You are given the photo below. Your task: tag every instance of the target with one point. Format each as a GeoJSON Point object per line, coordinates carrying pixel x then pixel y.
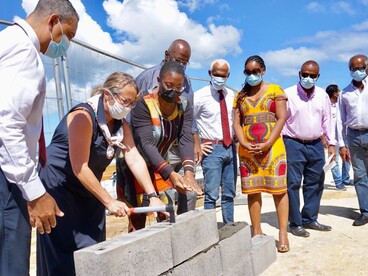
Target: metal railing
{"type": "Point", "coordinates": [71, 79]}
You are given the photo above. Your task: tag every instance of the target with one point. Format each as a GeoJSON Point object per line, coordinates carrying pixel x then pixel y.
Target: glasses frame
{"type": "Point", "coordinates": [358, 68]}
{"type": "Point", "coordinates": [174, 88]}
{"type": "Point", "coordinates": [178, 60]}
{"type": "Point", "coordinates": [126, 102]}
{"type": "Point", "coordinates": [306, 75]}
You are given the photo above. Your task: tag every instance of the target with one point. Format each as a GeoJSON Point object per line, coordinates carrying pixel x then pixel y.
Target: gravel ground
{"type": "Point", "coordinates": [339, 252]}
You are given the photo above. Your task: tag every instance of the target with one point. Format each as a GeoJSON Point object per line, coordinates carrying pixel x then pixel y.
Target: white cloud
{"type": "Point", "coordinates": [161, 22]}
{"type": "Point", "coordinates": [337, 7]}
{"type": "Point", "coordinates": [144, 30]}
{"type": "Point", "coordinates": [342, 7]}
{"type": "Point", "coordinates": [325, 46]}
{"type": "Point", "coordinates": [315, 7]}
{"type": "Point", "coordinates": [193, 5]}
{"type": "Point", "coordinates": [288, 61]}
{"type": "Point", "coordinates": [363, 26]}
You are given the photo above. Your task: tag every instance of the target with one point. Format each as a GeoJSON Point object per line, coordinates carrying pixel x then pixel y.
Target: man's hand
{"type": "Point", "coordinates": [198, 155]}
{"type": "Point", "coordinates": [345, 154]}
{"type": "Point", "coordinates": [332, 151]}
{"type": "Point", "coordinates": [206, 148]}
{"type": "Point", "coordinates": [190, 180]}
{"type": "Point", "coordinates": [42, 213]}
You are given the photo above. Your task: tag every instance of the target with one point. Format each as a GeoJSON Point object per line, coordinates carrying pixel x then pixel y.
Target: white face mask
{"type": "Point", "coordinates": [218, 82]}
{"type": "Point", "coordinates": [117, 110]}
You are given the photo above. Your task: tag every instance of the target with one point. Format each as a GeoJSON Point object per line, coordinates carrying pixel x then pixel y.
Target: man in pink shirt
{"type": "Point", "coordinates": [308, 118]}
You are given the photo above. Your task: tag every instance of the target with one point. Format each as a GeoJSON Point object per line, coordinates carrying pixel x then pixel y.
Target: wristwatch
{"type": "Point", "coordinates": [154, 194]}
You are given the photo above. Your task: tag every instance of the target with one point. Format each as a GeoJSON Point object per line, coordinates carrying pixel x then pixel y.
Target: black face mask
{"type": "Point", "coordinates": [169, 95]}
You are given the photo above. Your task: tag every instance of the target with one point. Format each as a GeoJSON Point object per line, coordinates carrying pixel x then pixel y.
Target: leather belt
{"type": "Point", "coordinates": [359, 129]}
{"type": "Point", "coordinates": [219, 142]}
{"type": "Point", "coordinates": [303, 141]}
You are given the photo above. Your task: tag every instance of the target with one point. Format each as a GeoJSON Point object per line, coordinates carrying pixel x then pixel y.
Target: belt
{"type": "Point", "coordinates": [359, 129]}
{"type": "Point", "coordinates": [303, 141]}
{"type": "Point", "coordinates": [218, 142]}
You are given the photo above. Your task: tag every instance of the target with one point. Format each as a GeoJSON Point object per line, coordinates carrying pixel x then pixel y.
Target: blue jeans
{"type": "Point", "coordinates": [220, 170]}
{"type": "Point", "coordinates": [304, 161]}
{"type": "Point", "coordinates": [358, 147]}
{"type": "Point", "coordinates": [342, 177]}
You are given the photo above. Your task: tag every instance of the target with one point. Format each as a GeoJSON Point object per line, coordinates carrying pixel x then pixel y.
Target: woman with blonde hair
{"type": "Point", "coordinates": [83, 145]}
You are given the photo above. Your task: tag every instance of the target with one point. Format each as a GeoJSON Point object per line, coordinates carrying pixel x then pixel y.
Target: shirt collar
{"type": "Point", "coordinates": [29, 31]}
{"type": "Point", "coordinates": [215, 92]}
{"type": "Point", "coordinates": [302, 93]}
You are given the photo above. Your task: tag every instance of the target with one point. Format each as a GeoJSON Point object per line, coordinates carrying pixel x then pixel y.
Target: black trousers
{"type": "Point", "coordinates": [15, 230]}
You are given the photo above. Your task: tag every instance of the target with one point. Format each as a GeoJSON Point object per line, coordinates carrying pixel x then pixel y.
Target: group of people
{"type": "Point", "coordinates": [159, 130]}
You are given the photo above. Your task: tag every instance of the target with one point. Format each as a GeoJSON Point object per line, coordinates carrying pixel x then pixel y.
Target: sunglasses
{"type": "Point", "coordinates": [253, 72]}
{"type": "Point", "coordinates": [306, 75]}
{"type": "Point", "coordinates": [358, 68]}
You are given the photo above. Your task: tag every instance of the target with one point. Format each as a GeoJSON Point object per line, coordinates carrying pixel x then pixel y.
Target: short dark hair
{"type": "Point", "coordinates": [171, 67]}
{"type": "Point", "coordinates": [331, 89]}
{"type": "Point", "coordinates": [63, 8]}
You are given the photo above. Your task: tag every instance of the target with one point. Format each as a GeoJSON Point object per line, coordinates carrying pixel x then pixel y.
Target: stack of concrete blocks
{"type": "Point", "coordinates": [195, 245]}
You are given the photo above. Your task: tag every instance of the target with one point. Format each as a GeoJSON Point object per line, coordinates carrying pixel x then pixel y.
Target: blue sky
{"type": "Point", "coordinates": [285, 33]}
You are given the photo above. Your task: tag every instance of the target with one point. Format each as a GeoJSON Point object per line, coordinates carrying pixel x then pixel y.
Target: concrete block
{"type": "Point", "coordinates": [146, 252]}
{"type": "Point", "coordinates": [243, 268]}
{"type": "Point", "coordinates": [204, 263]}
{"type": "Point", "coordinates": [263, 253]}
{"type": "Point", "coordinates": [235, 243]}
{"type": "Point", "coordinates": [192, 233]}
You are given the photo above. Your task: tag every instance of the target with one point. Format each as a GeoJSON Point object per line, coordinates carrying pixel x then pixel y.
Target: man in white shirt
{"type": "Point", "coordinates": [219, 161]}
{"type": "Point", "coordinates": [48, 29]}
{"type": "Point", "coordinates": [352, 128]}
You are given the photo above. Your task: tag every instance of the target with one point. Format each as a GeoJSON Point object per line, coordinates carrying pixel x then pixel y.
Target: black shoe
{"type": "Point", "coordinates": [317, 226]}
{"type": "Point", "coordinates": [299, 231]}
{"type": "Point", "coordinates": [361, 221]}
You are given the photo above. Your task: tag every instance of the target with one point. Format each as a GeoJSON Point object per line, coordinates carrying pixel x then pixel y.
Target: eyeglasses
{"type": "Point", "coordinates": [170, 87]}
{"type": "Point", "coordinates": [180, 61]}
{"type": "Point", "coordinates": [306, 75]}
{"type": "Point", "coordinates": [253, 72]}
{"type": "Point", "coordinates": [126, 102]}
{"type": "Point", "coordinates": [358, 68]}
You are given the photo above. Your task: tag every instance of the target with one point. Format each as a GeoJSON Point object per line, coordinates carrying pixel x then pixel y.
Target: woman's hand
{"type": "Point", "coordinates": [117, 208]}
{"type": "Point", "coordinates": [259, 148]}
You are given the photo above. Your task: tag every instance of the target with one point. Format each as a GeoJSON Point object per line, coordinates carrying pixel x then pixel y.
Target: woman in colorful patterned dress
{"type": "Point", "coordinates": [260, 114]}
{"type": "Point", "coordinates": [160, 119]}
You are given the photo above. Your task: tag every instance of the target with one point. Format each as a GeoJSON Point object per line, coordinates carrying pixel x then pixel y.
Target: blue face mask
{"type": "Point", "coordinates": [253, 79]}
{"type": "Point", "coordinates": [358, 75]}
{"type": "Point", "coordinates": [218, 82]}
{"type": "Point", "coordinates": [307, 82]}
{"type": "Point", "coordinates": [55, 50]}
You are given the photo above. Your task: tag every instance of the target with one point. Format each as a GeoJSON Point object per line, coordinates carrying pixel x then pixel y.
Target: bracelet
{"type": "Point", "coordinates": [154, 194]}
{"type": "Point", "coordinates": [269, 143]}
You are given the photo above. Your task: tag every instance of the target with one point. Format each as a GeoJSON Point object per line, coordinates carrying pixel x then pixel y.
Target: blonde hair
{"type": "Point", "coordinates": [115, 82]}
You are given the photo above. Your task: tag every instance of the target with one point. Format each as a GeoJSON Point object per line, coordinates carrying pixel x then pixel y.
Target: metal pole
{"type": "Point", "coordinates": [59, 93]}
{"type": "Point", "coordinates": [68, 93]}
